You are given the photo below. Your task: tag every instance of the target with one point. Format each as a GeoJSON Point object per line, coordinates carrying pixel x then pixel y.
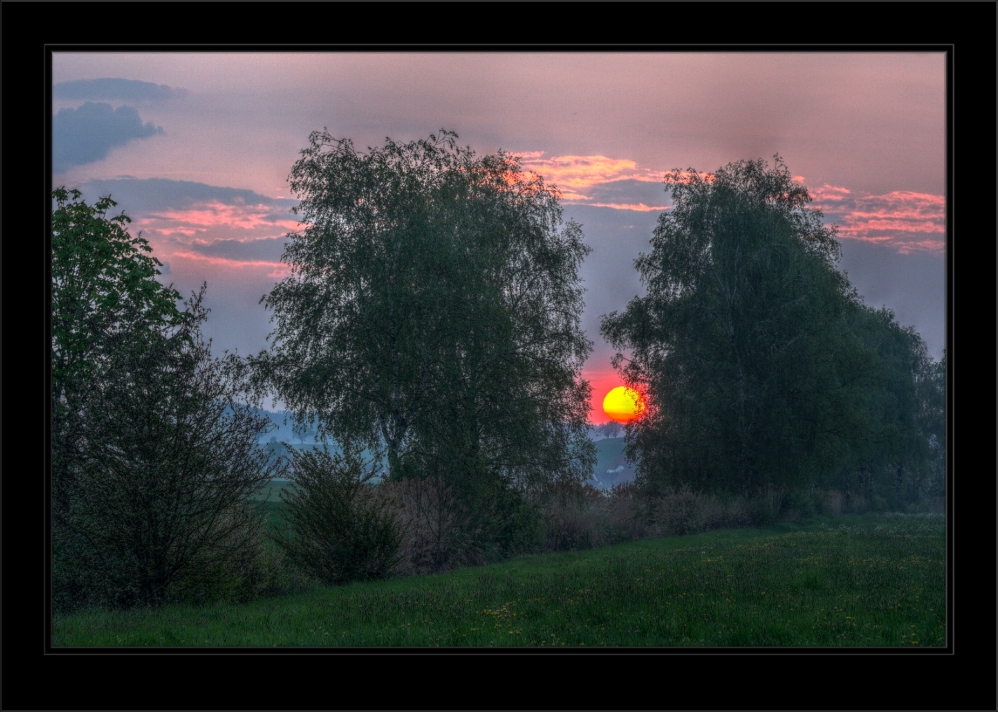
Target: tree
{"type": "Point", "coordinates": [931, 418]}
{"type": "Point", "coordinates": [102, 285]}
{"type": "Point", "coordinates": [895, 450]}
{"type": "Point", "coordinates": [332, 530]}
{"type": "Point", "coordinates": [754, 378]}
{"type": "Point", "coordinates": [433, 311]}
{"type": "Point", "coordinates": [611, 429]}
{"type": "Point", "coordinates": [105, 297]}
{"type": "Point", "coordinates": [159, 507]}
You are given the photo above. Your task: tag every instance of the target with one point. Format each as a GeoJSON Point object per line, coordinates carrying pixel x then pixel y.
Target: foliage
{"type": "Point", "coordinates": [433, 313]}
{"type": "Point", "coordinates": [575, 517]}
{"type": "Point", "coordinates": [158, 508]}
{"type": "Point", "coordinates": [611, 429]}
{"type": "Point", "coordinates": [893, 463]}
{"type": "Point", "coordinates": [860, 581]}
{"type": "Point", "coordinates": [930, 384]}
{"type": "Point", "coordinates": [334, 529]}
{"type": "Point", "coordinates": [742, 344]}
{"type": "Point", "coordinates": [104, 297]}
{"type": "Point", "coordinates": [102, 284]}
{"type": "Point", "coordinates": [435, 523]}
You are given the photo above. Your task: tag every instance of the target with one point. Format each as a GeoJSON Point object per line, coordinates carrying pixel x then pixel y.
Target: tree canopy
{"type": "Point", "coordinates": [102, 282]}
{"type": "Point", "coordinates": [103, 286]}
{"type": "Point", "coordinates": [742, 343]}
{"type": "Point", "coordinates": [433, 311]}
{"type": "Point", "coordinates": [159, 507]}
{"type": "Point", "coordinates": [153, 457]}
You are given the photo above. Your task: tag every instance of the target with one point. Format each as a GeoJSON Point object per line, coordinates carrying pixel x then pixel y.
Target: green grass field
{"type": "Point", "coordinates": [870, 580]}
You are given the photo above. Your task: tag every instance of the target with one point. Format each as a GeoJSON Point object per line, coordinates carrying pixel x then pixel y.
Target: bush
{"type": "Point", "coordinates": [797, 505]}
{"type": "Point", "coordinates": [335, 529]}
{"type": "Point", "coordinates": [575, 517]}
{"type": "Point", "coordinates": [234, 573]}
{"type": "Point", "coordinates": [628, 513]}
{"type": "Point", "coordinates": [510, 524]}
{"type": "Point", "coordinates": [154, 505]}
{"type": "Point", "coordinates": [683, 511]}
{"type": "Point", "coordinates": [760, 511]}
{"type": "Point", "coordinates": [435, 526]}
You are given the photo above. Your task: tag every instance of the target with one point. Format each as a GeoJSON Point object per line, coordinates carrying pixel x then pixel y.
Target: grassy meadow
{"type": "Point", "coordinates": [855, 580]}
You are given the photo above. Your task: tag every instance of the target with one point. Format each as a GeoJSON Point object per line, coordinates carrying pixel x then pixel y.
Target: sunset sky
{"type": "Point", "coordinates": [197, 148]}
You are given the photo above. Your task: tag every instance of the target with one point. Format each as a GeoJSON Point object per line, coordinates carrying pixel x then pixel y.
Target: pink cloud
{"type": "Point", "coordinates": [830, 192]}
{"type": "Point", "coordinates": [858, 227]}
{"type": "Point", "coordinates": [576, 173]}
{"type": "Point", "coordinates": [640, 207]}
{"type": "Point", "coordinates": [938, 246]}
{"type": "Point", "coordinates": [278, 270]}
{"type": "Point", "coordinates": [205, 216]}
{"type": "Point", "coordinates": [904, 220]}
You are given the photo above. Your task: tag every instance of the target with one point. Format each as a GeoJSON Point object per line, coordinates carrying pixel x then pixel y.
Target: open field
{"type": "Point", "coordinates": [861, 580]}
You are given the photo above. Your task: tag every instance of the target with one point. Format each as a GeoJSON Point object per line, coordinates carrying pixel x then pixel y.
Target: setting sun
{"type": "Point", "coordinates": [623, 404]}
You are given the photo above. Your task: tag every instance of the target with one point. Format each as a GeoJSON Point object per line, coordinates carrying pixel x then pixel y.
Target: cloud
{"type": "Point", "coordinates": [629, 194]}
{"type": "Point", "coordinates": [904, 220]}
{"type": "Point", "coordinates": [640, 207]}
{"type": "Point", "coordinates": [574, 174]}
{"type": "Point", "coordinates": [88, 134]}
{"type": "Point", "coordinates": [112, 88]}
{"type": "Point", "coordinates": [201, 226]}
{"type": "Point", "coordinates": [145, 195]}
{"type": "Point", "coordinates": [591, 180]}
{"type": "Point", "coordinates": [211, 216]}
{"type": "Point", "coordinates": [599, 181]}
{"type": "Point", "coordinates": [267, 249]}
{"type": "Point", "coordinates": [827, 192]}
{"type": "Point", "coordinates": [276, 270]}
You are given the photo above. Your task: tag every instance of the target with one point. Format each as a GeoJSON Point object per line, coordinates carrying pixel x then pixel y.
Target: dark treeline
{"type": "Point", "coordinates": [766, 374]}
{"type": "Point", "coordinates": [429, 338]}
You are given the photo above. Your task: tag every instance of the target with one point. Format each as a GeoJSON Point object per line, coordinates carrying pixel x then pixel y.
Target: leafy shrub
{"type": "Point", "coordinates": [509, 524]}
{"type": "Point", "coordinates": [760, 511]}
{"type": "Point", "coordinates": [334, 529]}
{"type": "Point", "coordinates": [575, 517]}
{"type": "Point", "coordinates": [628, 513]}
{"type": "Point", "coordinates": [234, 569]}
{"type": "Point", "coordinates": [683, 511]}
{"type": "Point", "coordinates": [797, 505]}
{"type": "Point", "coordinates": [153, 504]}
{"type": "Point", "coordinates": [434, 524]}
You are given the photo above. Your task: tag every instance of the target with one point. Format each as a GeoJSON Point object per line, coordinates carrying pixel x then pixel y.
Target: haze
{"type": "Point", "coordinates": [197, 147]}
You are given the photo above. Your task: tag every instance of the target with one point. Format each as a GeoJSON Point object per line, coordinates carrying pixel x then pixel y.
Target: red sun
{"type": "Point", "coordinates": [623, 404]}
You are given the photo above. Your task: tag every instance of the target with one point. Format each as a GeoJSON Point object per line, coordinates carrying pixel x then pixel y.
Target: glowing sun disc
{"type": "Point", "coordinates": [623, 404]}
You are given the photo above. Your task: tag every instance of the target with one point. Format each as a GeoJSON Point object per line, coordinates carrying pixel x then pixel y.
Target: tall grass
{"type": "Point", "coordinates": [870, 580]}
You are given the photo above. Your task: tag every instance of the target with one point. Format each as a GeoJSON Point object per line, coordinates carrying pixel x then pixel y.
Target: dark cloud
{"type": "Point", "coordinates": [88, 134]}
{"type": "Point", "coordinates": [140, 196]}
{"type": "Point", "coordinates": [912, 285]}
{"type": "Point", "coordinates": [109, 88]}
{"type": "Point", "coordinates": [629, 192]}
{"type": "Point", "coordinates": [267, 249]}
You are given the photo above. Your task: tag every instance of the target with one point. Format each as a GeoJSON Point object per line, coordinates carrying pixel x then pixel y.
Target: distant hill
{"type": "Point", "coordinates": [611, 468]}
{"type": "Point", "coordinates": [610, 457]}
{"type": "Point", "coordinates": [282, 427]}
